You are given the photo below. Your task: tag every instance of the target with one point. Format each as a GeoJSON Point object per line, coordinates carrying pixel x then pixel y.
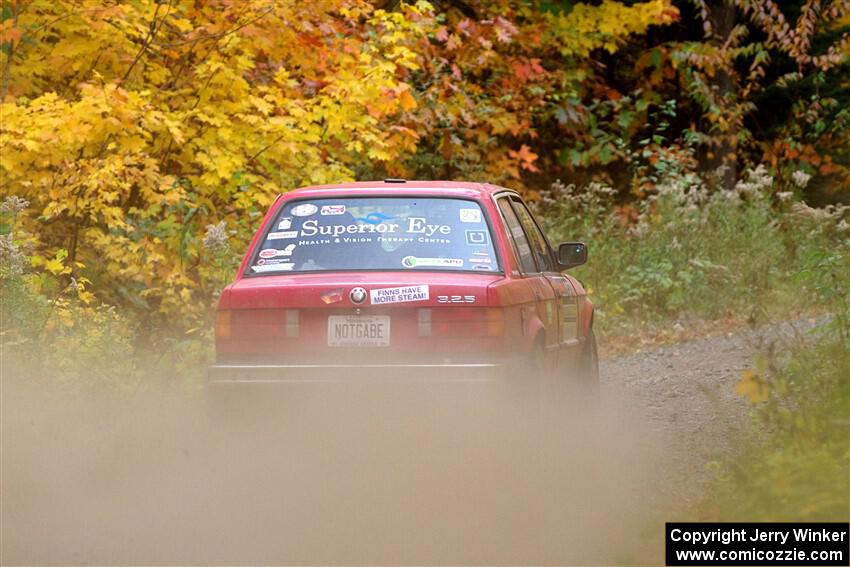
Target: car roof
{"type": "Point", "coordinates": [400, 187]}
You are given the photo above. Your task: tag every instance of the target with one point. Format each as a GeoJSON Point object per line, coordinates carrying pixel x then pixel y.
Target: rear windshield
{"type": "Point", "coordinates": [363, 233]}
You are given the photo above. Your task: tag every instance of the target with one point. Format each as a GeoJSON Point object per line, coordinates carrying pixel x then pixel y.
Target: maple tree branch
{"type": "Point", "coordinates": [264, 148]}
{"type": "Point", "coordinates": [223, 34]}
{"type": "Point", "coordinates": [152, 31]}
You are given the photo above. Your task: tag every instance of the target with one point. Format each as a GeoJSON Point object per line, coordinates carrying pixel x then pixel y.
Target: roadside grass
{"type": "Point", "coordinates": [798, 467]}
{"type": "Point", "coordinates": [796, 464]}
{"type": "Point", "coordinates": [693, 253]}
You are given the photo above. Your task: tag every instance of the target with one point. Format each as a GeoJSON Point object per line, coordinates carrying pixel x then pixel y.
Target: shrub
{"type": "Point", "coordinates": [691, 248]}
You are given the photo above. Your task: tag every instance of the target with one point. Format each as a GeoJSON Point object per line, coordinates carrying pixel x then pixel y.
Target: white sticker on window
{"type": "Point", "coordinates": [304, 210]}
{"type": "Point", "coordinates": [273, 252]}
{"type": "Point", "coordinates": [399, 294]}
{"type": "Point", "coordinates": [470, 215]}
{"type": "Point", "coordinates": [284, 224]}
{"type": "Point", "coordinates": [480, 260]}
{"type": "Point", "coordinates": [333, 210]}
{"type": "Point", "coordinates": [274, 267]}
{"type": "Point", "coordinates": [281, 235]}
{"type": "Point", "coordinates": [414, 262]}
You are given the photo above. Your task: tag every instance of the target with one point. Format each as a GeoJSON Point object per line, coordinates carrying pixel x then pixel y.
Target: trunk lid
{"type": "Point", "coordinates": [427, 317]}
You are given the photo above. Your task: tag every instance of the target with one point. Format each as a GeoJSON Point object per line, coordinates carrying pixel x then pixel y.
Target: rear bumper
{"type": "Point", "coordinates": [234, 374]}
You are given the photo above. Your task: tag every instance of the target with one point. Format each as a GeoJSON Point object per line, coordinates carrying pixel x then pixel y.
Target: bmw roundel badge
{"type": "Point", "coordinates": [357, 295]}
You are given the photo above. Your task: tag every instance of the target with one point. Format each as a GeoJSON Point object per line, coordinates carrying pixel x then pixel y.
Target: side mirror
{"type": "Point", "coordinates": [572, 254]}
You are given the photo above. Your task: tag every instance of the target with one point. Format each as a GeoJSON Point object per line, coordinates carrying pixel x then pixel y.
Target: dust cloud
{"type": "Point", "coordinates": [348, 473]}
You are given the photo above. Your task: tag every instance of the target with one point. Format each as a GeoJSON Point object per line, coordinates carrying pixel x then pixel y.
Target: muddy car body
{"type": "Point", "coordinates": [398, 280]}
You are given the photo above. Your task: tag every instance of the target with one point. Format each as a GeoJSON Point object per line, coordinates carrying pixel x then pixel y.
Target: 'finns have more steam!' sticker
{"type": "Point", "coordinates": [399, 294]}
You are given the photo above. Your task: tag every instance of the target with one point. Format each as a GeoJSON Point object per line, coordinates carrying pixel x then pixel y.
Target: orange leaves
{"type": "Point", "coordinates": [526, 69]}
{"type": "Point", "coordinates": [406, 99]}
{"type": "Point", "coordinates": [525, 158]}
{"type": "Point", "coordinates": [9, 33]}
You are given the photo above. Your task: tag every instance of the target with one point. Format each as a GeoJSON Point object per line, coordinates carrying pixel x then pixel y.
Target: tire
{"type": "Point", "coordinates": [588, 376]}
{"type": "Point", "coordinates": [524, 384]}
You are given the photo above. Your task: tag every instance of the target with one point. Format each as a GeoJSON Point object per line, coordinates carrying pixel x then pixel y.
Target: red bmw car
{"type": "Point", "coordinates": [404, 280]}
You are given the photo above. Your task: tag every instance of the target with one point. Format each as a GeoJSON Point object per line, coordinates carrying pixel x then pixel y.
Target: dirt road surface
{"type": "Point", "coordinates": [362, 476]}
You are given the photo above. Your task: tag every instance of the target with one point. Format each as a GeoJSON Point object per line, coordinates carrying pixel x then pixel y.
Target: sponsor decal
{"type": "Point", "coordinates": [274, 267]}
{"type": "Point", "coordinates": [274, 261]}
{"type": "Point", "coordinates": [474, 237]}
{"type": "Point", "coordinates": [413, 262]}
{"type": "Point", "coordinates": [470, 215]}
{"type": "Point", "coordinates": [481, 267]}
{"type": "Point", "coordinates": [480, 260]}
{"type": "Point", "coordinates": [398, 294]}
{"type": "Point", "coordinates": [481, 253]}
{"type": "Point", "coordinates": [412, 225]}
{"type": "Point", "coordinates": [333, 210]}
{"type": "Point", "coordinates": [285, 223]}
{"type": "Point", "coordinates": [260, 262]}
{"type": "Point", "coordinates": [272, 252]}
{"type": "Point", "coordinates": [304, 210]}
{"type": "Point", "coordinates": [281, 235]}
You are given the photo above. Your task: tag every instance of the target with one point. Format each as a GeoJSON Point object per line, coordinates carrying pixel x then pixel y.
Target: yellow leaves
{"type": "Point", "coordinates": [587, 27]}
{"type": "Point", "coordinates": [228, 105]}
{"type": "Point", "coordinates": [753, 387]}
{"type": "Point", "coordinates": [55, 265]}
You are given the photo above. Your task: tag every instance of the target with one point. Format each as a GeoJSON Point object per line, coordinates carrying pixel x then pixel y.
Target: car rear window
{"type": "Point", "coordinates": [387, 233]}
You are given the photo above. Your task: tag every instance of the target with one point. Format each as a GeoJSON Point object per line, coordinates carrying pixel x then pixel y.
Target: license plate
{"type": "Point", "coordinates": [359, 330]}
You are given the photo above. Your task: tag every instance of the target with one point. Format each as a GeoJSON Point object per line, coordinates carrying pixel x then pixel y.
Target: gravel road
{"type": "Point", "coordinates": [433, 477]}
{"type": "Point", "coordinates": [685, 394]}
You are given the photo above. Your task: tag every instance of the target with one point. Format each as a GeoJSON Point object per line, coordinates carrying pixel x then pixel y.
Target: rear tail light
{"type": "Point", "coordinates": [222, 324]}
{"type": "Point", "coordinates": [259, 324]}
{"type": "Point", "coordinates": [466, 322]}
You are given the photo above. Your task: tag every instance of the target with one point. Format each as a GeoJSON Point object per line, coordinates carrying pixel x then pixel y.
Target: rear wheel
{"type": "Point", "coordinates": [525, 382]}
{"type": "Point", "coordinates": [588, 375]}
